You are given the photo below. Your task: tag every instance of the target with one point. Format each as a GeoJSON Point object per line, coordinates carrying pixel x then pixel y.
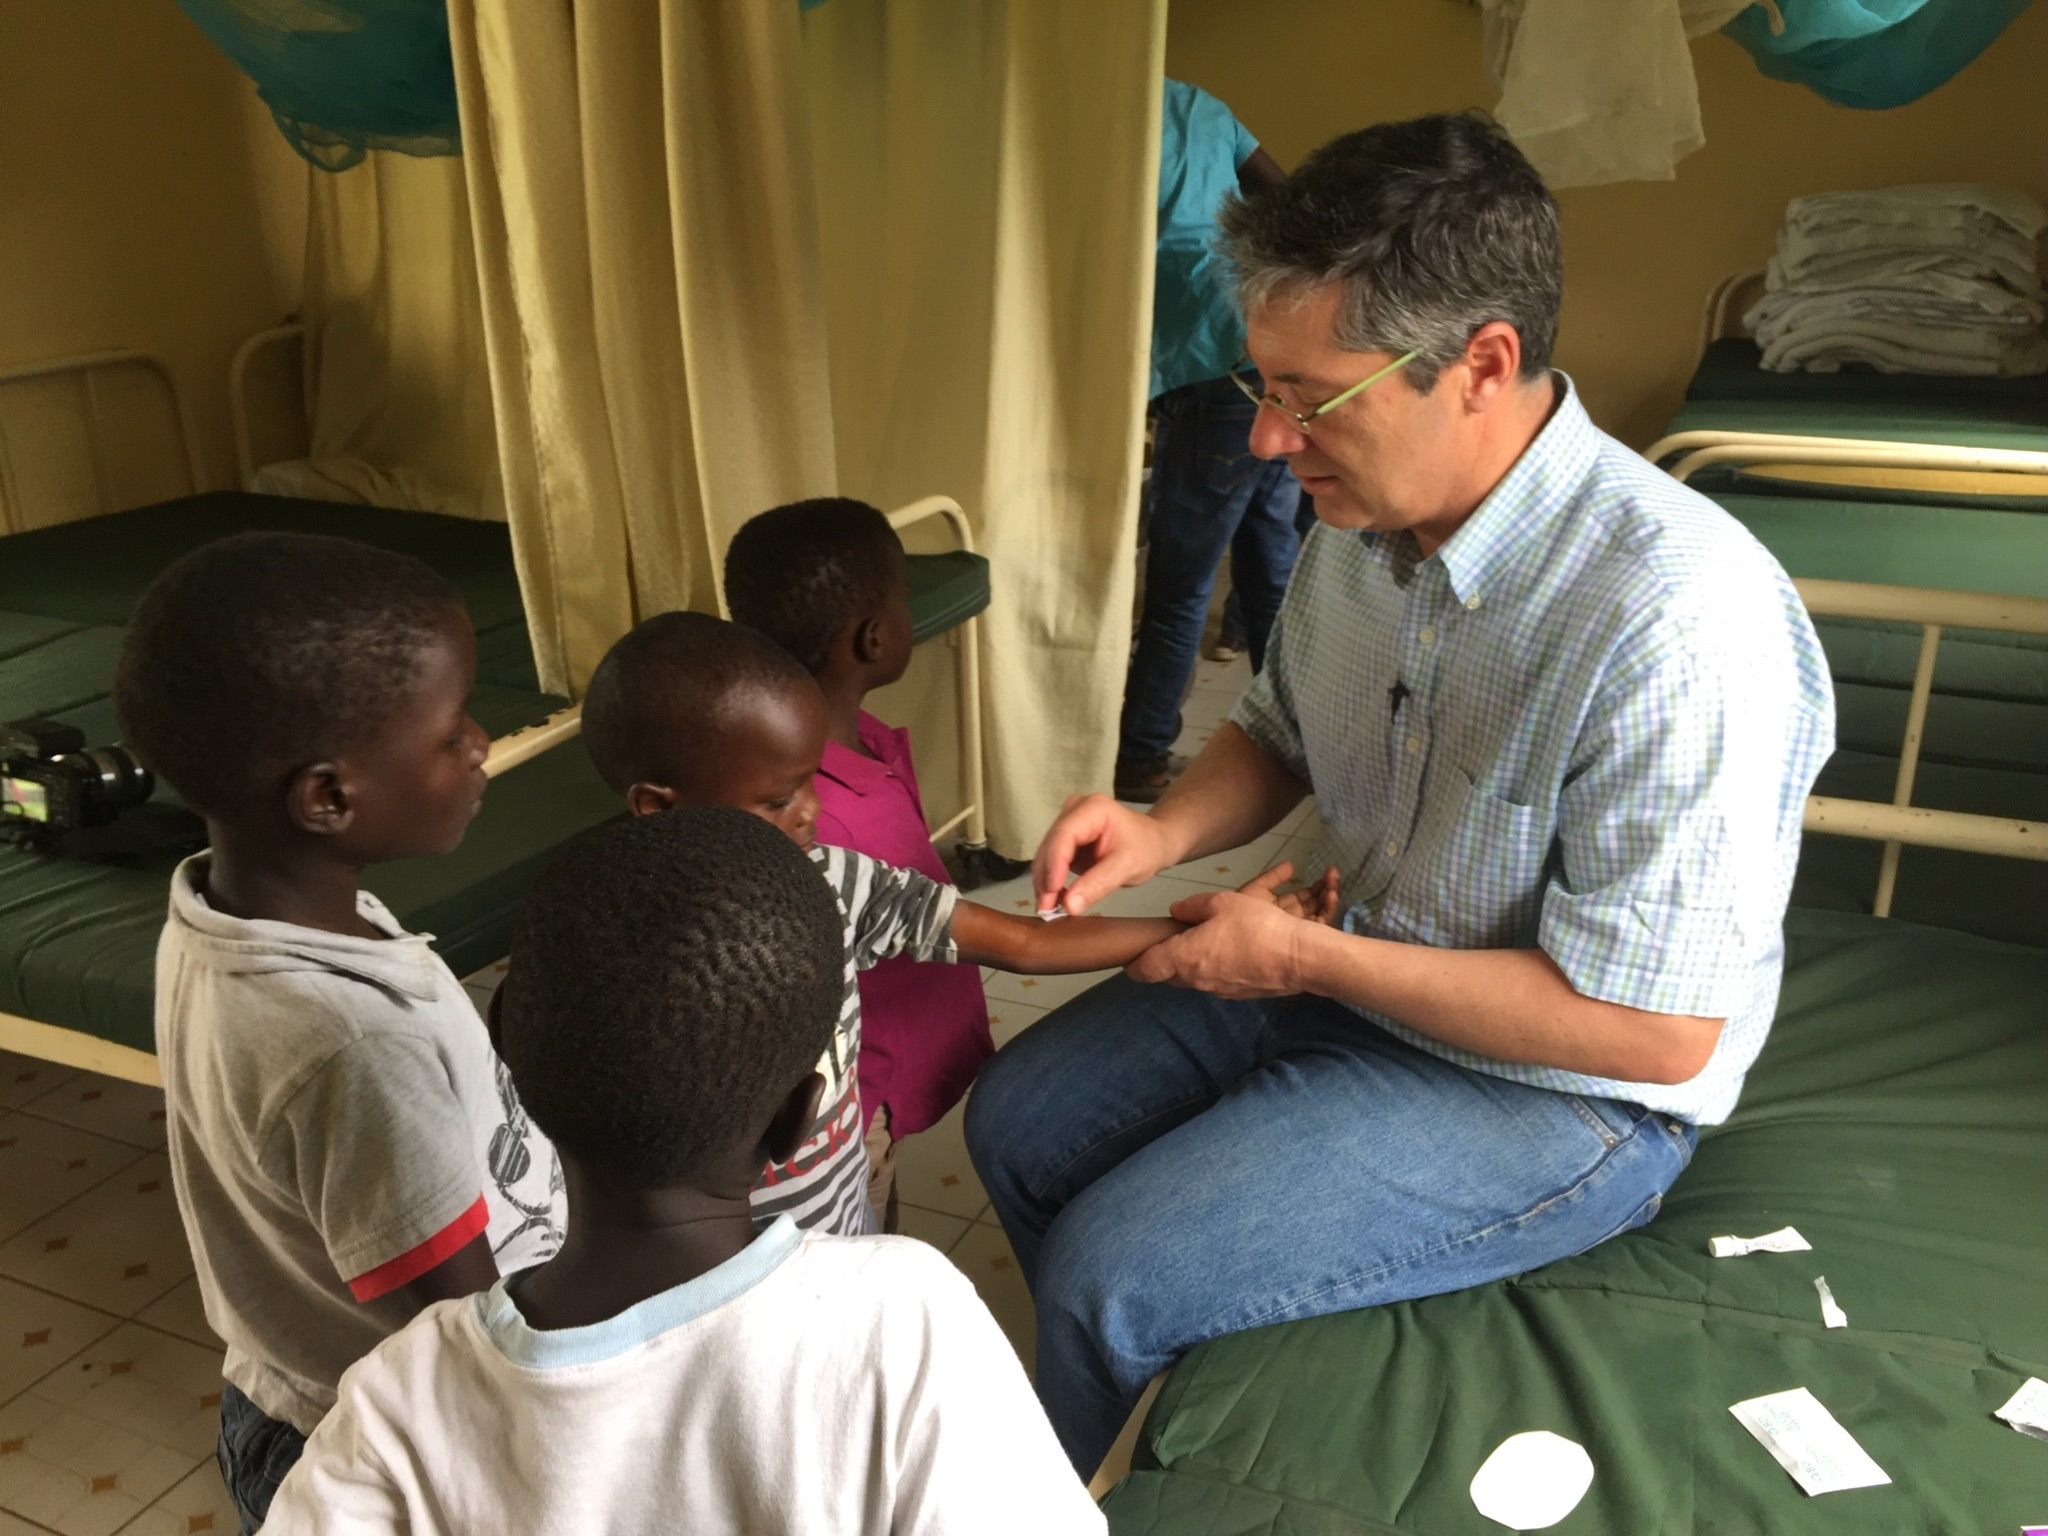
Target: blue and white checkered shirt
{"type": "Point", "coordinates": [1588, 723]}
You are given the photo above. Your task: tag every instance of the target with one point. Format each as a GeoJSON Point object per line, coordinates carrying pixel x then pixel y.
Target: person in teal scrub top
{"type": "Point", "coordinates": [1209, 493]}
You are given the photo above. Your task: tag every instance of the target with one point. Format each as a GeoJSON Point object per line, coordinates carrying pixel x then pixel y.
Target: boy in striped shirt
{"type": "Point", "coordinates": [688, 709]}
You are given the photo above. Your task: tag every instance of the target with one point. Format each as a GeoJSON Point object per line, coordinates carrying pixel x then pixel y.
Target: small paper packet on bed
{"type": "Point", "coordinates": [1807, 1441]}
{"type": "Point", "coordinates": [1784, 1240]}
{"type": "Point", "coordinates": [1831, 1312]}
{"type": "Point", "coordinates": [2027, 1409]}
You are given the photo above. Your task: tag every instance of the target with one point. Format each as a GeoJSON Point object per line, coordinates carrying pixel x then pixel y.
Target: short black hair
{"type": "Point", "coordinates": [801, 573]}
{"type": "Point", "coordinates": [1434, 227]}
{"type": "Point", "coordinates": [672, 979]}
{"type": "Point", "coordinates": [253, 656]}
{"type": "Point", "coordinates": [669, 687]}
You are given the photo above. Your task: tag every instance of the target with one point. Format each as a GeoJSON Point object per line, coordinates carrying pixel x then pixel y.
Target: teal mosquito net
{"type": "Point", "coordinates": [343, 77]}
{"type": "Point", "coordinates": [1871, 53]}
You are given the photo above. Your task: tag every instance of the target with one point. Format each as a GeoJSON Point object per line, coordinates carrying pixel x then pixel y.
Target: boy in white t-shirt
{"type": "Point", "coordinates": [344, 1144]}
{"type": "Point", "coordinates": [673, 982]}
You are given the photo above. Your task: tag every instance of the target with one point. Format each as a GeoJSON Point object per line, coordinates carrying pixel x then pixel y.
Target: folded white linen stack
{"type": "Point", "coordinates": [1943, 278]}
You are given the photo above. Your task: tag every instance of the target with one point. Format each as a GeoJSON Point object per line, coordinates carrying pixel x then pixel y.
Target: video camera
{"type": "Point", "coordinates": [53, 788]}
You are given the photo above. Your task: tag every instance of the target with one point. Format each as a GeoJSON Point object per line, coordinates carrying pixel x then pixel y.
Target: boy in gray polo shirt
{"type": "Point", "coordinates": [345, 1145]}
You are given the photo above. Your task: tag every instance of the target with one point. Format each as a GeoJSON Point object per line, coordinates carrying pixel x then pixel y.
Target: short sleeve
{"type": "Point", "coordinates": [1671, 831]}
{"type": "Point", "coordinates": [377, 1147]}
{"type": "Point", "coordinates": [1266, 710]}
{"type": "Point", "coordinates": [890, 911]}
{"type": "Point", "coordinates": [1244, 146]}
{"type": "Point", "coordinates": [979, 1457]}
{"type": "Point", "coordinates": [339, 1483]}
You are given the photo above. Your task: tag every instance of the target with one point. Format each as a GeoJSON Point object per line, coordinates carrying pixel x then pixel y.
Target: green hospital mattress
{"type": "Point", "coordinates": [1731, 390]}
{"type": "Point", "coordinates": [77, 940]}
{"type": "Point", "coordinates": [1898, 1117]}
{"type": "Point", "coordinates": [1731, 393]}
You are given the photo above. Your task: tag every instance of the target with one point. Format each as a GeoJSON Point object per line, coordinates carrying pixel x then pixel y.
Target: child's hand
{"type": "Point", "coordinates": [1316, 903]}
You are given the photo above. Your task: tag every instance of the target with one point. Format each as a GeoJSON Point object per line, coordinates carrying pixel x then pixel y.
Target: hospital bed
{"type": "Point", "coordinates": [1897, 1117]}
{"type": "Point", "coordinates": [1903, 479]}
{"type": "Point", "coordinates": [77, 938]}
{"type": "Point", "coordinates": [1876, 432]}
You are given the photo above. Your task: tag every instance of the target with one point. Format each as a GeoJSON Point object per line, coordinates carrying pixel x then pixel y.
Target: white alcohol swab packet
{"type": "Point", "coordinates": [1054, 915]}
{"type": "Point", "coordinates": [2027, 1409]}
{"type": "Point", "coordinates": [1807, 1441]}
{"type": "Point", "coordinates": [1784, 1240]}
{"type": "Point", "coordinates": [1831, 1312]}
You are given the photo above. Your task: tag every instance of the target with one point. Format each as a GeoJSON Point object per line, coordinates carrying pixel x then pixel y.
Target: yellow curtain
{"type": "Point", "coordinates": [986, 186]}
{"type": "Point", "coordinates": [400, 401]}
{"type": "Point", "coordinates": [639, 187]}
{"type": "Point", "coordinates": [677, 205]}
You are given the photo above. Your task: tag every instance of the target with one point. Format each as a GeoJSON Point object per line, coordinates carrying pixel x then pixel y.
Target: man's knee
{"type": "Point", "coordinates": [1018, 1087]}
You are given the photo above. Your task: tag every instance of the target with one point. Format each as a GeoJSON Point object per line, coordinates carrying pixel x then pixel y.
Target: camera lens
{"type": "Point", "coordinates": [116, 782]}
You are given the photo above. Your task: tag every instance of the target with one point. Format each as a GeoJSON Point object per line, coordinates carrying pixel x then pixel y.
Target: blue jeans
{"type": "Point", "coordinates": [1171, 1167]}
{"type": "Point", "coordinates": [1208, 494]}
{"type": "Point", "coordinates": [255, 1452]}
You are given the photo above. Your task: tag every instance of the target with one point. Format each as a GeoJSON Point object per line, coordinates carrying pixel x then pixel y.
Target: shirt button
{"type": "Point", "coordinates": [1414, 746]}
{"type": "Point", "coordinates": [1429, 637]}
{"type": "Point", "coordinates": [1471, 602]}
{"type": "Point", "coordinates": [1393, 849]}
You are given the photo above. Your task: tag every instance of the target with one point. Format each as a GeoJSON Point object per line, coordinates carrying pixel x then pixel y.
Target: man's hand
{"type": "Point", "coordinates": [1241, 944]}
{"type": "Point", "coordinates": [1316, 903]}
{"type": "Point", "coordinates": [1108, 845]}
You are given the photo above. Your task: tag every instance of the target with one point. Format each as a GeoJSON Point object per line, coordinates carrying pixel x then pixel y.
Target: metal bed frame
{"type": "Point", "coordinates": [85, 366]}
{"type": "Point", "coordinates": [514, 749]}
{"type": "Point", "coordinates": [75, 1048]}
{"type": "Point", "coordinates": [1700, 448]}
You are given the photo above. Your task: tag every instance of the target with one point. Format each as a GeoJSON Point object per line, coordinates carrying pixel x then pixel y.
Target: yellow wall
{"type": "Point", "coordinates": [132, 192]}
{"type": "Point", "coordinates": [1639, 257]}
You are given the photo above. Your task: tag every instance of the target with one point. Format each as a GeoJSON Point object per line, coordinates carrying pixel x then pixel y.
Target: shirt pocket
{"type": "Point", "coordinates": [1476, 877]}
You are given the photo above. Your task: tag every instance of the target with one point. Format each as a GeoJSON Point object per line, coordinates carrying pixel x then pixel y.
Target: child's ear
{"type": "Point", "coordinates": [318, 800]}
{"type": "Point", "coordinates": [785, 1132]}
{"type": "Point", "coordinates": [644, 799]}
{"type": "Point", "coordinates": [868, 642]}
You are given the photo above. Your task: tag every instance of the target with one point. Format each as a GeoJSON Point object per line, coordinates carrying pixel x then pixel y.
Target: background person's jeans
{"type": "Point", "coordinates": [1171, 1167]}
{"type": "Point", "coordinates": [1208, 494]}
{"type": "Point", "coordinates": [255, 1452]}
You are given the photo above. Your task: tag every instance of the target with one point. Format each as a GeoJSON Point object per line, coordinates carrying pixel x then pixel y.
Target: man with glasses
{"type": "Point", "coordinates": [1208, 493]}
{"type": "Point", "coordinates": [1559, 715]}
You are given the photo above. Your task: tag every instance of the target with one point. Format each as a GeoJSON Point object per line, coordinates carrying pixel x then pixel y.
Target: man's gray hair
{"type": "Point", "coordinates": [1434, 227]}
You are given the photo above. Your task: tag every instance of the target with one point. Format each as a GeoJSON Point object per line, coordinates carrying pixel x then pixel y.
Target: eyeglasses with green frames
{"type": "Point", "coordinates": [1305, 423]}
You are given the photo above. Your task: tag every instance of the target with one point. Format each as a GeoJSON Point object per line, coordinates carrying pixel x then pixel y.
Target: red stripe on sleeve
{"type": "Point", "coordinates": [414, 1262]}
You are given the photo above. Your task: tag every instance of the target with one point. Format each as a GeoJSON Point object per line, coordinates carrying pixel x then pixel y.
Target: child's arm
{"type": "Point", "coordinates": [1034, 947]}
{"type": "Point", "coordinates": [468, 1269]}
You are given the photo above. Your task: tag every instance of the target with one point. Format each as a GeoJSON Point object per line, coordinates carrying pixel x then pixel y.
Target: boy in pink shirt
{"type": "Point", "coordinates": [825, 580]}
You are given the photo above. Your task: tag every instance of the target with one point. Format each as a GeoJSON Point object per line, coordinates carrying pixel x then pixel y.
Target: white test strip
{"type": "Point", "coordinates": [2027, 1409]}
{"type": "Point", "coordinates": [1784, 1240]}
{"type": "Point", "coordinates": [1830, 1312]}
{"type": "Point", "coordinates": [1809, 1442]}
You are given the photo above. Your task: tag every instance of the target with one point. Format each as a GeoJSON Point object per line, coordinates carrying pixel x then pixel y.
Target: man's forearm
{"type": "Point", "coordinates": [1233, 792]}
{"type": "Point", "coordinates": [1510, 1004]}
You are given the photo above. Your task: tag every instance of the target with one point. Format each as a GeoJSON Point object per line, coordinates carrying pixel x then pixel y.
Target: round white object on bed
{"type": "Point", "coordinates": [1532, 1480]}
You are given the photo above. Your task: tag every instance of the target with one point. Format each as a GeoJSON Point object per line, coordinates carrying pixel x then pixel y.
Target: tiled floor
{"type": "Point", "coordinates": [109, 1376]}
